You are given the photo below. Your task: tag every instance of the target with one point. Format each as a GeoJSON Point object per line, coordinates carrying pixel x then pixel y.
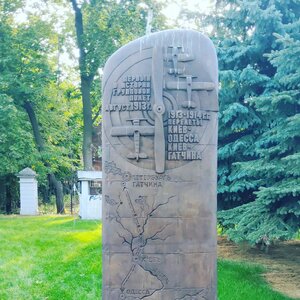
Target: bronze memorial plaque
{"type": "Point", "coordinates": [160, 122]}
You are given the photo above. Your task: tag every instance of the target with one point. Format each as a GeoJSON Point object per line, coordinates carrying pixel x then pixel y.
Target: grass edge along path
{"type": "Point", "coordinates": [59, 257]}
{"type": "Point", "coordinates": [244, 281]}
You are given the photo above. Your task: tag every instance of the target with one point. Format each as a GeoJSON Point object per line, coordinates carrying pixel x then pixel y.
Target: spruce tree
{"type": "Point", "coordinates": [275, 214]}
{"type": "Point", "coordinates": [243, 34]}
{"type": "Point", "coordinates": [258, 166]}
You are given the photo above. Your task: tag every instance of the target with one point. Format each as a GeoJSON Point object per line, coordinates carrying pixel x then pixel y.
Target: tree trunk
{"type": "Point", "coordinates": [45, 191]}
{"type": "Point", "coordinates": [41, 147]}
{"type": "Point", "coordinates": [86, 79]}
{"type": "Point", "coordinates": [59, 195]}
{"type": "Point", "coordinates": [87, 124]}
{"type": "Point", "coordinates": [8, 204]}
{"type": "Point", "coordinates": [35, 126]}
{"type": "Point", "coordinates": [2, 194]}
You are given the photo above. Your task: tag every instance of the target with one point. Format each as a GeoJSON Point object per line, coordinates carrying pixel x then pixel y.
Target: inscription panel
{"type": "Point", "coordinates": [159, 158]}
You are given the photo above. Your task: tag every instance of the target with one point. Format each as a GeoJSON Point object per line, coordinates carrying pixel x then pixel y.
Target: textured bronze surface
{"type": "Point", "coordinates": [160, 169]}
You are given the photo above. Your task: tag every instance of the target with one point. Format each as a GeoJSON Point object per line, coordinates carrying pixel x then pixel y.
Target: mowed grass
{"type": "Point", "coordinates": [49, 258]}
{"type": "Point", "coordinates": [242, 281]}
{"type": "Point", "coordinates": [56, 258]}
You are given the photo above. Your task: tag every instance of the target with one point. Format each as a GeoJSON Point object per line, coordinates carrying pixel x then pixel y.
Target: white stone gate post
{"type": "Point", "coordinates": [28, 192]}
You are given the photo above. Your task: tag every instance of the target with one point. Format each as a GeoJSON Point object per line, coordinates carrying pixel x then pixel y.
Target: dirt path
{"type": "Point", "coordinates": [282, 263]}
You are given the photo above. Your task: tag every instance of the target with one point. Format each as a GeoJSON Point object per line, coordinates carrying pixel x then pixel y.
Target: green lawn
{"type": "Point", "coordinates": [49, 258]}
{"type": "Point", "coordinates": [59, 258]}
{"type": "Point", "coordinates": [240, 281]}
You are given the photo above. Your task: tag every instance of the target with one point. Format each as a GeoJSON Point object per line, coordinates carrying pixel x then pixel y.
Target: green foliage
{"type": "Point", "coordinates": [271, 169]}
{"type": "Point", "coordinates": [258, 45]}
{"type": "Point", "coordinates": [17, 145]}
{"type": "Point", "coordinates": [61, 121]}
{"type": "Point", "coordinates": [28, 75]}
{"type": "Point", "coordinates": [244, 73]}
{"type": "Point", "coordinates": [108, 26]}
{"type": "Point", "coordinates": [256, 223]}
{"type": "Point", "coordinates": [8, 7]}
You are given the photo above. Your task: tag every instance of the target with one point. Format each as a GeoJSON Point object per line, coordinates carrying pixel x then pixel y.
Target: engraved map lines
{"type": "Point", "coordinates": [199, 294]}
{"type": "Point", "coordinates": [133, 233]}
{"type": "Point", "coordinates": [137, 241]}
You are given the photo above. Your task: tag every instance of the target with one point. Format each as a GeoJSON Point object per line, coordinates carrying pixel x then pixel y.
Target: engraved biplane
{"type": "Point", "coordinates": [177, 55]}
{"type": "Point", "coordinates": [189, 85]}
{"type": "Point", "coordinates": [136, 130]}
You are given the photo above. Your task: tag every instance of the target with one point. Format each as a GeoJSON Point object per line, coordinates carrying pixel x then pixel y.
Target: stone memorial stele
{"type": "Point", "coordinates": [160, 118]}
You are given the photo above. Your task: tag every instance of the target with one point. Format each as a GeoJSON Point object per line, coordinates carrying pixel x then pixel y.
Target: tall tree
{"type": "Point", "coordinates": [16, 151]}
{"type": "Point", "coordinates": [17, 145]}
{"type": "Point", "coordinates": [28, 81]}
{"type": "Point", "coordinates": [101, 28]}
{"type": "Point", "coordinates": [243, 32]}
{"type": "Point", "coordinates": [275, 214]}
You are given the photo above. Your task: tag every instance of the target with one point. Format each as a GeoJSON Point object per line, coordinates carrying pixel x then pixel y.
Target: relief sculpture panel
{"type": "Point", "coordinates": [160, 118]}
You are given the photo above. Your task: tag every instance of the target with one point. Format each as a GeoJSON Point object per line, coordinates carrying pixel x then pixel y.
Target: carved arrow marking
{"type": "Point", "coordinates": [134, 214]}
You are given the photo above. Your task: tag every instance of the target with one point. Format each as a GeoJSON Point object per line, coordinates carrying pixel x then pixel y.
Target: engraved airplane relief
{"type": "Point", "coordinates": [136, 130]}
{"type": "Point", "coordinates": [176, 56]}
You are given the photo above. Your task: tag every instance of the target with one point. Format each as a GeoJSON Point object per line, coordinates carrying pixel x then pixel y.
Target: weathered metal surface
{"type": "Point", "coordinates": [160, 168]}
